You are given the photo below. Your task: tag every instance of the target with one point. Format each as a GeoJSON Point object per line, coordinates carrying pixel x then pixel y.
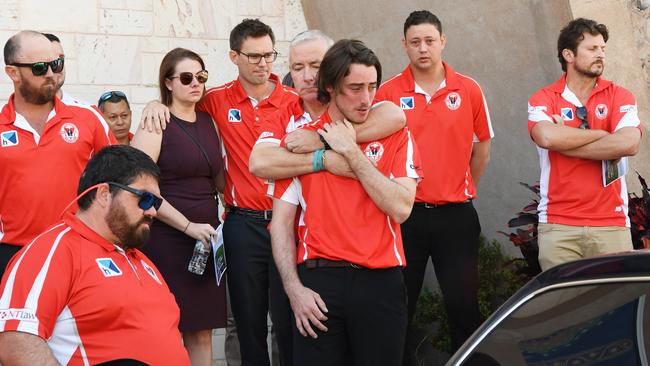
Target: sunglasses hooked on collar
{"type": "Point", "coordinates": [40, 68]}
{"type": "Point", "coordinates": [186, 77]}
{"type": "Point", "coordinates": [581, 113]}
{"type": "Point", "coordinates": [147, 199]}
{"type": "Point", "coordinates": [110, 95]}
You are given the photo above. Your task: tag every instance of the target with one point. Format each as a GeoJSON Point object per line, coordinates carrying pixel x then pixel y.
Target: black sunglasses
{"type": "Point", "coordinates": [147, 199]}
{"type": "Point", "coordinates": [115, 94]}
{"type": "Point", "coordinates": [186, 77]}
{"type": "Point", "coordinates": [40, 68]}
{"type": "Point", "coordinates": [581, 113]}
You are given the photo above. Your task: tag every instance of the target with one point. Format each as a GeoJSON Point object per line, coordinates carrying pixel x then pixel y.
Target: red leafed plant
{"type": "Point", "coordinates": [525, 236]}
{"type": "Point", "coordinates": [639, 213]}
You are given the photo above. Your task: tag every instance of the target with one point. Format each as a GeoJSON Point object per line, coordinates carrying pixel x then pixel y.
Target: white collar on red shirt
{"type": "Point", "coordinates": [419, 89]}
{"type": "Point", "coordinates": [21, 122]}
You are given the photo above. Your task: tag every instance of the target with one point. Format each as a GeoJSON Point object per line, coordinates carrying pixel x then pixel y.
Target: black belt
{"type": "Point", "coordinates": [437, 205]}
{"type": "Point", "coordinates": [327, 263]}
{"type": "Point", "coordinates": [256, 214]}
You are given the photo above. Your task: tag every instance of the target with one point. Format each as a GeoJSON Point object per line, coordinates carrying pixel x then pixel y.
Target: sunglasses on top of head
{"type": "Point", "coordinates": [186, 77]}
{"type": "Point", "coordinates": [40, 68]}
{"type": "Point", "coordinates": [147, 199]}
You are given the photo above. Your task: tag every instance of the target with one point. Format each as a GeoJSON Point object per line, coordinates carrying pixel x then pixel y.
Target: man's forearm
{"type": "Point", "coordinates": [391, 197]}
{"type": "Point", "coordinates": [610, 147]}
{"type": "Point", "coordinates": [284, 253]}
{"type": "Point", "coordinates": [24, 349]}
{"type": "Point", "coordinates": [560, 138]}
{"type": "Point", "coordinates": [269, 161]}
{"type": "Point", "coordinates": [383, 120]}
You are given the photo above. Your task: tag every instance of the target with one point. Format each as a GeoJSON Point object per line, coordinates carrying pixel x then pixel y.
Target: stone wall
{"type": "Point", "coordinates": [118, 44]}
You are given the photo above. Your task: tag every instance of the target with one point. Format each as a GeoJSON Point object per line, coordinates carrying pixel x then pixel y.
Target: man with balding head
{"type": "Point", "coordinates": [44, 143]}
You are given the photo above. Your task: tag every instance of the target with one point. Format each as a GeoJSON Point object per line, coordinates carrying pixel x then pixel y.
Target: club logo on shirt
{"type": "Point", "coordinates": [601, 111]}
{"type": "Point", "coordinates": [9, 138]}
{"type": "Point", "coordinates": [453, 101]}
{"type": "Point", "coordinates": [69, 132]}
{"type": "Point", "coordinates": [374, 151]}
{"type": "Point", "coordinates": [151, 271]}
{"type": "Point", "coordinates": [234, 115]}
{"type": "Point", "coordinates": [108, 267]}
{"type": "Point", "coordinates": [406, 103]}
{"type": "Point", "coordinates": [567, 114]}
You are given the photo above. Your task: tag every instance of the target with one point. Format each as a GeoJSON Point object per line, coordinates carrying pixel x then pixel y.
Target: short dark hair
{"type": "Point", "coordinates": [249, 28]}
{"type": "Point", "coordinates": [336, 65]}
{"type": "Point", "coordinates": [117, 163]}
{"type": "Point", "coordinates": [168, 68]}
{"type": "Point", "coordinates": [573, 33]}
{"type": "Point", "coordinates": [51, 37]}
{"type": "Point", "coordinates": [422, 17]}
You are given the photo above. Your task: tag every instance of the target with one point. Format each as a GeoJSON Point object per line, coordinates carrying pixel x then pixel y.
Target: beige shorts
{"type": "Point", "coordinates": [563, 243]}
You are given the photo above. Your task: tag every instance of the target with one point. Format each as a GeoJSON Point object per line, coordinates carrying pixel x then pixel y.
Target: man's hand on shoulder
{"type": "Point", "coordinates": [155, 116]}
{"type": "Point", "coordinates": [341, 137]}
{"type": "Point", "coordinates": [302, 141]}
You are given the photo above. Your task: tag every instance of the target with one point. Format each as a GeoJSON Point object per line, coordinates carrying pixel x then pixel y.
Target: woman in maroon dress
{"type": "Point", "coordinates": [189, 156]}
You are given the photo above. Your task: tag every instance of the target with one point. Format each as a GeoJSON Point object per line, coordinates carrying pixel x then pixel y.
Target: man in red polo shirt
{"type": "Point", "coordinates": [347, 293]}
{"type": "Point", "coordinates": [271, 161]}
{"type": "Point", "coordinates": [44, 143]}
{"type": "Point", "coordinates": [584, 127]}
{"type": "Point", "coordinates": [448, 117]}
{"type": "Point", "coordinates": [82, 293]}
{"type": "Point", "coordinates": [236, 107]}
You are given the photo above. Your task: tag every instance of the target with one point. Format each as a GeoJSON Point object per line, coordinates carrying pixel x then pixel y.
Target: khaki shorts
{"type": "Point", "coordinates": [563, 243]}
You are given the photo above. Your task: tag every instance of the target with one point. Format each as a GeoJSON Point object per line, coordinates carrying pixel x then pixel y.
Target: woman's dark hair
{"type": "Point", "coordinates": [168, 68]}
{"type": "Point", "coordinates": [573, 33]}
{"type": "Point", "coordinates": [336, 65]}
{"type": "Point", "coordinates": [117, 163]}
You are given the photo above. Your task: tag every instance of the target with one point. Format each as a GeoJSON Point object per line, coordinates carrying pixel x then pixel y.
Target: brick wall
{"type": "Point", "coordinates": [118, 44]}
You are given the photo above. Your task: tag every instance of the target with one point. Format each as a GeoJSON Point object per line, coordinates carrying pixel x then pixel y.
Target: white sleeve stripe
{"type": "Point", "coordinates": [410, 171]}
{"type": "Point", "coordinates": [269, 140]}
{"type": "Point", "coordinates": [629, 119]}
{"type": "Point", "coordinates": [5, 300]}
{"type": "Point", "coordinates": [37, 287]}
{"type": "Point", "coordinates": [539, 116]}
{"type": "Point", "coordinates": [291, 195]}
{"type": "Point", "coordinates": [485, 106]}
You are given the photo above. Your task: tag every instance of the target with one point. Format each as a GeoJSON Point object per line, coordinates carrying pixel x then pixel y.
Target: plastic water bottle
{"type": "Point", "coordinates": [199, 258]}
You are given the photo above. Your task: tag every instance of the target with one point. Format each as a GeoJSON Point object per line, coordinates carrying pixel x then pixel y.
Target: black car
{"type": "Point", "coordinates": [589, 312]}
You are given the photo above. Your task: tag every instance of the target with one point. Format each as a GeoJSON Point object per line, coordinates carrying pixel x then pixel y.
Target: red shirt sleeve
{"type": "Point", "coordinates": [407, 161]}
{"type": "Point", "coordinates": [482, 123]}
{"type": "Point", "coordinates": [624, 111]}
{"type": "Point", "coordinates": [35, 288]}
{"type": "Point", "coordinates": [539, 109]}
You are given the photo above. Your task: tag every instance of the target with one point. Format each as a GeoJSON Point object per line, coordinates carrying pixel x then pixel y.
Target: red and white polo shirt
{"type": "Point", "coordinates": [571, 189]}
{"type": "Point", "coordinates": [236, 114]}
{"type": "Point", "coordinates": [40, 173]}
{"type": "Point", "coordinates": [90, 300]}
{"type": "Point", "coordinates": [444, 127]}
{"type": "Point", "coordinates": [339, 221]}
{"type": "Point", "coordinates": [286, 120]}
